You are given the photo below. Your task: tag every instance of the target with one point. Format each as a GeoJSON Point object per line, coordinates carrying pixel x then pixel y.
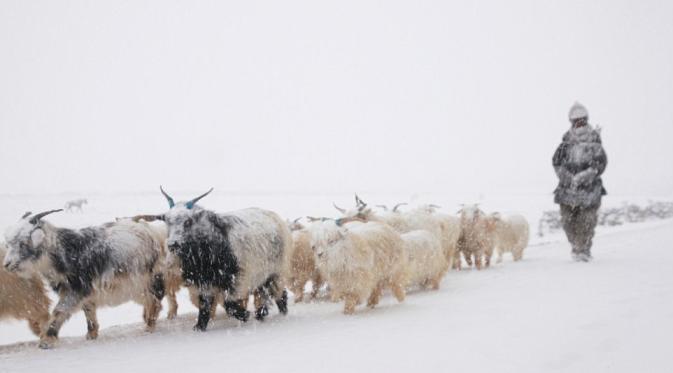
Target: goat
{"type": "Point", "coordinates": [90, 267]}
{"type": "Point", "coordinates": [236, 253]}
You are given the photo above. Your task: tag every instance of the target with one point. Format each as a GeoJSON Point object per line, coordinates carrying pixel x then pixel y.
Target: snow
{"type": "Point", "coordinates": [545, 313]}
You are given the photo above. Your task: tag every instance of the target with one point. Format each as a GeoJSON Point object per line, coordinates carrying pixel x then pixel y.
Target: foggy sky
{"type": "Point", "coordinates": [329, 96]}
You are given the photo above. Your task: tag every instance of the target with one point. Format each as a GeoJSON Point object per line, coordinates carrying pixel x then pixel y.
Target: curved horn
{"type": "Point", "coordinates": [384, 207]}
{"type": "Point", "coordinates": [359, 201]}
{"type": "Point", "coordinates": [27, 214]}
{"type": "Point", "coordinates": [191, 203]}
{"type": "Point", "coordinates": [39, 216]}
{"type": "Point", "coordinates": [435, 206]}
{"type": "Point", "coordinates": [342, 221]}
{"type": "Point", "coordinates": [397, 206]}
{"type": "Point", "coordinates": [343, 211]}
{"type": "Point", "coordinates": [312, 219]}
{"type": "Point", "coordinates": [297, 220]}
{"type": "Point", "coordinates": [147, 218]}
{"type": "Point", "coordinates": [171, 203]}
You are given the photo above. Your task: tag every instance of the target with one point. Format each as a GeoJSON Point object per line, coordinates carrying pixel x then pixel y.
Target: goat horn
{"type": "Point", "coordinates": [191, 203]}
{"type": "Point", "coordinates": [384, 207]}
{"type": "Point", "coordinates": [314, 219]}
{"type": "Point", "coordinates": [343, 211]}
{"type": "Point", "coordinates": [397, 206]}
{"type": "Point", "coordinates": [342, 221]}
{"type": "Point", "coordinates": [359, 201]}
{"type": "Point", "coordinates": [147, 218]}
{"type": "Point", "coordinates": [39, 216]}
{"type": "Point", "coordinates": [297, 220]}
{"type": "Point", "coordinates": [171, 203]}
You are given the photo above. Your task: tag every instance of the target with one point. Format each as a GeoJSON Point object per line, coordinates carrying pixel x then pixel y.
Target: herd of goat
{"type": "Point", "coordinates": [227, 258]}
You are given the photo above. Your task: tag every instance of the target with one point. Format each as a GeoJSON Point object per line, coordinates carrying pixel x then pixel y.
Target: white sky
{"type": "Point", "coordinates": [329, 96]}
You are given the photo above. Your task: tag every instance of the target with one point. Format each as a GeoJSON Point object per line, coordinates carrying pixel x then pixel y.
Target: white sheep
{"type": "Point", "coordinates": [511, 235]}
{"type": "Point", "coordinates": [23, 298]}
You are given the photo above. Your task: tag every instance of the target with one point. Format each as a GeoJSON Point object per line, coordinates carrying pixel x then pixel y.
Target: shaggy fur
{"type": "Point", "coordinates": [23, 298]}
{"type": "Point", "coordinates": [236, 254]}
{"type": "Point", "coordinates": [91, 267]}
{"type": "Point", "coordinates": [303, 267]}
{"type": "Point", "coordinates": [427, 262]}
{"type": "Point", "coordinates": [511, 235]}
{"type": "Point", "coordinates": [359, 261]}
{"type": "Point", "coordinates": [450, 233]}
{"type": "Point", "coordinates": [476, 239]}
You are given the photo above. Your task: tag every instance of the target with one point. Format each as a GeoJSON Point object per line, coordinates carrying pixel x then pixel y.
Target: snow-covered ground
{"type": "Point", "coordinates": [545, 313]}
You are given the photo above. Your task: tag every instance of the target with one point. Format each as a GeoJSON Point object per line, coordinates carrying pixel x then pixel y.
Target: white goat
{"type": "Point", "coordinates": [511, 235]}
{"type": "Point", "coordinates": [360, 260]}
{"type": "Point", "coordinates": [427, 263]}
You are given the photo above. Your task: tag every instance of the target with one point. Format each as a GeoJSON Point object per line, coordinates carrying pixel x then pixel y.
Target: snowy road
{"type": "Point", "coordinates": [543, 314]}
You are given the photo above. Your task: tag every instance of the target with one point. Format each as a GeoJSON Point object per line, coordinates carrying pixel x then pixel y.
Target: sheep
{"type": "Point", "coordinates": [75, 204]}
{"type": "Point", "coordinates": [427, 263]}
{"type": "Point", "coordinates": [23, 298]}
{"type": "Point", "coordinates": [90, 267]}
{"type": "Point", "coordinates": [235, 253]}
{"type": "Point", "coordinates": [476, 236]}
{"type": "Point", "coordinates": [303, 267]}
{"type": "Point", "coordinates": [511, 235]}
{"type": "Point", "coordinates": [360, 261]}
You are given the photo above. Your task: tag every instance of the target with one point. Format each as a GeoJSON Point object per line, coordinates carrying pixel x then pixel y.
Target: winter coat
{"type": "Point", "coordinates": [579, 162]}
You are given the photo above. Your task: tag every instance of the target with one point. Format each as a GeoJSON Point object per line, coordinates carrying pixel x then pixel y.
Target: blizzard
{"type": "Point", "coordinates": [545, 313]}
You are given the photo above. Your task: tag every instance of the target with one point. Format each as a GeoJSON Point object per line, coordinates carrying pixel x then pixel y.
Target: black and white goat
{"type": "Point", "coordinates": [90, 267]}
{"type": "Point", "coordinates": [237, 253]}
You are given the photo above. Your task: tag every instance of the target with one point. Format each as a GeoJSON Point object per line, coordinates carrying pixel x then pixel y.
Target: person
{"type": "Point", "coordinates": [579, 162]}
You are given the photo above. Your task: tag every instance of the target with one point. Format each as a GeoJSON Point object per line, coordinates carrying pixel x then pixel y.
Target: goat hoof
{"type": "Point", "coordinates": [47, 344]}
{"type": "Point", "coordinates": [261, 313]}
{"type": "Point", "coordinates": [242, 316]}
{"type": "Point", "coordinates": [199, 328]}
{"type": "Point", "coordinates": [91, 336]}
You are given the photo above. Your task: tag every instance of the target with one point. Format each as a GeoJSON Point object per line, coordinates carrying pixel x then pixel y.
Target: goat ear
{"type": "Point", "coordinates": [27, 214]}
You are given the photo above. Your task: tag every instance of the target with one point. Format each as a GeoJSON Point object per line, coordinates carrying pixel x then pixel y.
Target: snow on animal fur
{"type": "Point", "coordinates": [445, 227]}
{"type": "Point", "coordinates": [237, 253]}
{"type": "Point", "coordinates": [359, 261]}
{"type": "Point", "coordinates": [476, 240]}
{"type": "Point", "coordinates": [511, 235]}
{"type": "Point", "coordinates": [426, 261]}
{"type": "Point", "coordinates": [23, 298]}
{"type": "Point", "coordinates": [302, 266]}
{"type": "Point", "coordinates": [104, 265]}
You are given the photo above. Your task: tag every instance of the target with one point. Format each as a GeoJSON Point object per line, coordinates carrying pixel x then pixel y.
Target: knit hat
{"type": "Point", "coordinates": [577, 111]}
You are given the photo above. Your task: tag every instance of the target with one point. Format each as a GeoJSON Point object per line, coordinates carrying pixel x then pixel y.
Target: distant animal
{"type": "Point", "coordinates": [75, 204]}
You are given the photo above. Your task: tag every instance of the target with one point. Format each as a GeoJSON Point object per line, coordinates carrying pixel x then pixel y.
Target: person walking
{"type": "Point", "coordinates": [579, 162]}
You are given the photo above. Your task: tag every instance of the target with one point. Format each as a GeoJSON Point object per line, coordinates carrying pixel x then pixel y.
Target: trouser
{"type": "Point", "coordinates": [579, 224]}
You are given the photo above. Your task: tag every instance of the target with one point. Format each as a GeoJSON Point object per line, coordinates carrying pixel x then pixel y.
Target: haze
{"type": "Point", "coordinates": [339, 96]}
